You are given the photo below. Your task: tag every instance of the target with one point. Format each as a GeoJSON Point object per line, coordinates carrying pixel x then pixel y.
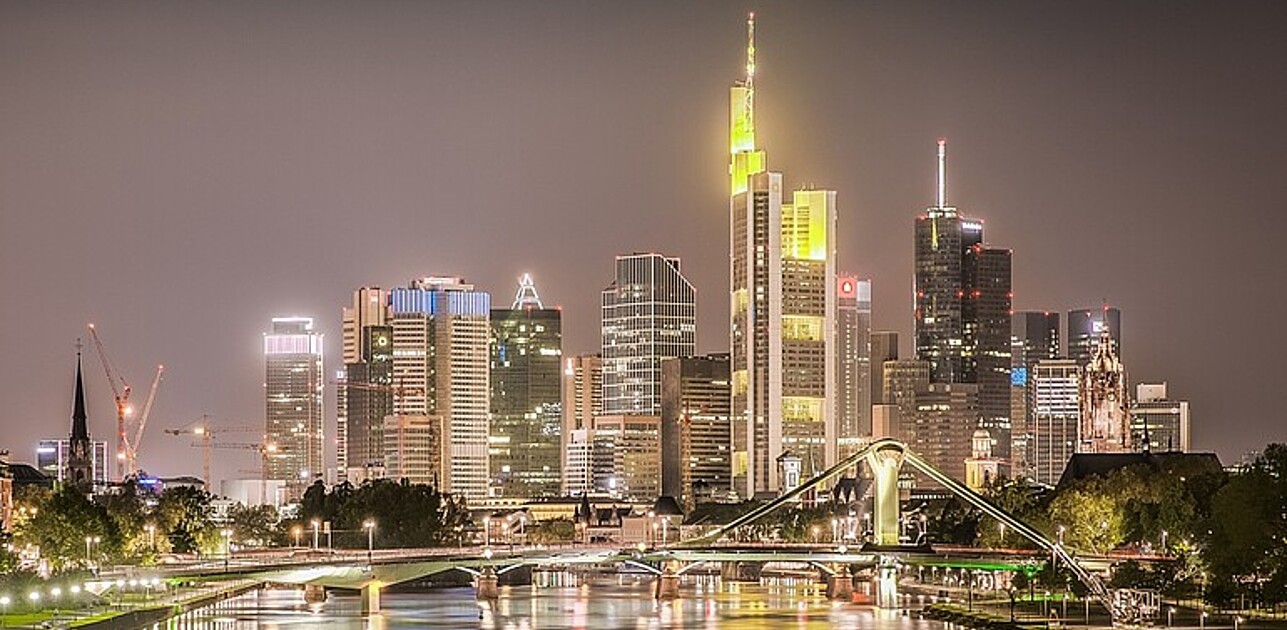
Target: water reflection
{"type": "Point", "coordinates": [563, 601]}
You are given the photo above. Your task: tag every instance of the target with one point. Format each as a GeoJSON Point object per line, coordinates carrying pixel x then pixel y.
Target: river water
{"type": "Point", "coordinates": [605, 602]}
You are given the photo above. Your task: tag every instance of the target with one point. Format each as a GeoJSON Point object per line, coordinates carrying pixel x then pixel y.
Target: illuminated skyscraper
{"type": "Point", "coordinates": [582, 403]}
{"type": "Point", "coordinates": [853, 371]}
{"type": "Point", "coordinates": [1056, 414]}
{"type": "Point", "coordinates": [884, 347]}
{"type": "Point", "coordinates": [696, 453]}
{"type": "Point", "coordinates": [783, 306]}
{"type": "Point", "coordinates": [962, 308]}
{"type": "Point", "coordinates": [367, 355]}
{"type": "Point", "coordinates": [1034, 336]}
{"type": "Point", "coordinates": [649, 314]}
{"type": "Point", "coordinates": [293, 387]}
{"type": "Point", "coordinates": [526, 397]}
{"type": "Point", "coordinates": [1085, 327]}
{"type": "Point", "coordinates": [441, 339]}
{"type": "Point", "coordinates": [1158, 423]}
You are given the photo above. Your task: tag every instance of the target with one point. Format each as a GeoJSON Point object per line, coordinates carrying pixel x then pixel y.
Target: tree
{"type": "Point", "coordinates": [552, 532]}
{"type": "Point", "coordinates": [1248, 531]}
{"type": "Point", "coordinates": [183, 514]}
{"type": "Point", "coordinates": [255, 526]}
{"type": "Point", "coordinates": [62, 522]}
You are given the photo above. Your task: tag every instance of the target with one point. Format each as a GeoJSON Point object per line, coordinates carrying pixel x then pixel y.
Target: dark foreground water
{"type": "Point", "coordinates": [609, 602]}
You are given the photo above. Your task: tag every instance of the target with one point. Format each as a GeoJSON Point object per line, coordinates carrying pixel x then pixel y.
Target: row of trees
{"type": "Point", "coordinates": [404, 514]}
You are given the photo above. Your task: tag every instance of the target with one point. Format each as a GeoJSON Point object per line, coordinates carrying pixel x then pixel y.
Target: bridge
{"type": "Point", "coordinates": [883, 555]}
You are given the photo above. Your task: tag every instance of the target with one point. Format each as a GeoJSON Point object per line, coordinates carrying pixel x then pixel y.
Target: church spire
{"type": "Point", "coordinates": [80, 427]}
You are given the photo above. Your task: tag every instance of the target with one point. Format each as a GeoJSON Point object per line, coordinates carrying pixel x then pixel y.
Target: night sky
{"type": "Point", "coordinates": [179, 173]}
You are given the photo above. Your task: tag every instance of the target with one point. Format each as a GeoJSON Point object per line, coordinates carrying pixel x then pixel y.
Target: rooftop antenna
{"type": "Point", "coordinates": [942, 173]}
{"type": "Point", "coordinates": [750, 50]}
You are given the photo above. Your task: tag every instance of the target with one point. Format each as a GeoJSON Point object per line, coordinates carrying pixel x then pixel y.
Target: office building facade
{"type": "Point", "coordinates": [1034, 336]}
{"type": "Point", "coordinates": [526, 396]}
{"type": "Point", "coordinates": [853, 367]}
{"type": "Point", "coordinates": [649, 313]}
{"type": "Point", "coordinates": [696, 428]}
{"type": "Point", "coordinates": [1158, 423]}
{"type": "Point", "coordinates": [293, 387]}
{"type": "Point", "coordinates": [782, 306]}
{"type": "Point", "coordinates": [1056, 415]}
{"type": "Point", "coordinates": [1086, 326]}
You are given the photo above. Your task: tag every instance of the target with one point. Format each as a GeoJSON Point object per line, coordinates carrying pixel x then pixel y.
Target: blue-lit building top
{"type": "Point", "coordinates": [430, 301]}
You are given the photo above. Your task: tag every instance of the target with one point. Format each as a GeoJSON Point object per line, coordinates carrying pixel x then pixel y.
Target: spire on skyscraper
{"type": "Point", "coordinates": [526, 296]}
{"type": "Point", "coordinates": [941, 199]}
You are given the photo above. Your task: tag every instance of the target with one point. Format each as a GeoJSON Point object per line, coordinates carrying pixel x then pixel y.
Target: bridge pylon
{"type": "Point", "coordinates": [885, 462]}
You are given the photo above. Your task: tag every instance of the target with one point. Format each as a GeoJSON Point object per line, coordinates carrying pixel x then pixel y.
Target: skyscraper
{"type": "Point", "coordinates": [1084, 328]}
{"type": "Point", "coordinates": [582, 403]}
{"type": "Point", "coordinates": [293, 402]}
{"type": "Point", "coordinates": [853, 370]}
{"type": "Point", "coordinates": [942, 429]}
{"type": "Point", "coordinates": [884, 347]}
{"type": "Point", "coordinates": [359, 446]}
{"type": "Point", "coordinates": [526, 397]}
{"type": "Point", "coordinates": [696, 448]}
{"type": "Point", "coordinates": [1056, 414]}
{"type": "Point", "coordinates": [962, 308]}
{"type": "Point", "coordinates": [441, 339]}
{"type": "Point", "coordinates": [649, 314]}
{"type": "Point", "coordinates": [782, 305]}
{"type": "Point", "coordinates": [1034, 336]}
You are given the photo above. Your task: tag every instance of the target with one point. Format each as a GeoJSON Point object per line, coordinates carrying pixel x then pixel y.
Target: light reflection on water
{"type": "Point", "coordinates": [605, 602]}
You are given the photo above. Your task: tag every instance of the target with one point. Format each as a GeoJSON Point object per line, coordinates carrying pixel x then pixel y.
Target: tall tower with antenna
{"type": "Point", "coordinates": [782, 272]}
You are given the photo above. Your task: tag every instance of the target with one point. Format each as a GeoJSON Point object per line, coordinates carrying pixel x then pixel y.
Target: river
{"type": "Point", "coordinates": [603, 602]}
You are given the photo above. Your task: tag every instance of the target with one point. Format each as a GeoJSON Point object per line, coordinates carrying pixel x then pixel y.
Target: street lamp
{"type": "Point", "coordinates": [317, 529]}
{"type": "Point", "coordinates": [151, 536]}
{"type": "Point", "coordinates": [1061, 535]}
{"type": "Point", "coordinates": [369, 526]}
{"type": "Point", "coordinates": [487, 531]}
{"type": "Point", "coordinates": [1236, 620]}
{"type": "Point", "coordinates": [1170, 612]}
{"type": "Point", "coordinates": [1202, 621]}
{"type": "Point", "coordinates": [1002, 528]}
{"type": "Point", "coordinates": [227, 547]}
{"type": "Point", "coordinates": [296, 531]}
{"type": "Point", "coordinates": [1164, 542]}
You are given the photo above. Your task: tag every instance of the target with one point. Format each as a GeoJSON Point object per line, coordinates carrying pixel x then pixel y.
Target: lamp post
{"type": "Point", "coordinates": [1202, 621]}
{"type": "Point", "coordinates": [151, 536]}
{"type": "Point", "coordinates": [297, 531]}
{"type": "Point", "coordinates": [88, 540]}
{"type": "Point", "coordinates": [4, 607]}
{"type": "Point", "coordinates": [1170, 613]}
{"type": "Point", "coordinates": [227, 547]}
{"type": "Point", "coordinates": [317, 530]}
{"type": "Point", "coordinates": [487, 531]}
{"type": "Point", "coordinates": [1164, 542]}
{"type": "Point", "coordinates": [1002, 540]}
{"type": "Point", "coordinates": [369, 526]}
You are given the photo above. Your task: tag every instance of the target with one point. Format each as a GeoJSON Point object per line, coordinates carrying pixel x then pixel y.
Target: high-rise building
{"type": "Point", "coordinates": [884, 347]}
{"type": "Point", "coordinates": [582, 402]}
{"type": "Point", "coordinates": [1056, 413]}
{"type": "Point", "coordinates": [368, 390]}
{"type": "Point", "coordinates": [904, 380]}
{"type": "Point", "coordinates": [441, 339]}
{"type": "Point", "coordinates": [649, 314]}
{"type": "Point", "coordinates": [1085, 326]}
{"type": "Point", "coordinates": [293, 387]}
{"type": "Point", "coordinates": [696, 429]}
{"type": "Point", "coordinates": [77, 467]}
{"type": "Point", "coordinates": [853, 368]}
{"type": "Point", "coordinates": [1105, 424]}
{"type": "Point", "coordinates": [413, 448]}
{"type": "Point", "coordinates": [526, 396]}
{"type": "Point", "coordinates": [783, 305]}
{"type": "Point", "coordinates": [1158, 424]}
{"type": "Point", "coordinates": [962, 308]}
{"type": "Point", "coordinates": [943, 426]}
{"type": "Point", "coordinates": [369, 308]}
{"type": "Point", "coordinates": [1034, 336]}
{"type": "Point", "coordinates": [627, 450]}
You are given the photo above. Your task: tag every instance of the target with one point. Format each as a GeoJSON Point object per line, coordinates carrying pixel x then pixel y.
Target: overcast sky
{"type": "Point", "coordinates": [180, 173]}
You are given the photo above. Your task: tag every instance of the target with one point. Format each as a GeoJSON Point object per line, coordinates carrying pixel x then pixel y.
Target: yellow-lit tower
{"type": "Point", "coordinates": [782, 276]}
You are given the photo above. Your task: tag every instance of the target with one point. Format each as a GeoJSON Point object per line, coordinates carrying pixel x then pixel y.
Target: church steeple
{"type": "Point", "coordinates": [80, 459]}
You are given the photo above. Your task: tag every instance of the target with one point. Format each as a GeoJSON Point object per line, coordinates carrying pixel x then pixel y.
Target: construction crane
{"type": "Point", "coordinates": [126, 449]}
{"type": "Point", "coordinates": [206, 434]}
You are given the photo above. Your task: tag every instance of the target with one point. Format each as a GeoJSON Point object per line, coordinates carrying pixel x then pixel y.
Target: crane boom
{"type": "Point", "coordinates": [121, 396]}
{"type": "Point", "coordinates": [133, 446]}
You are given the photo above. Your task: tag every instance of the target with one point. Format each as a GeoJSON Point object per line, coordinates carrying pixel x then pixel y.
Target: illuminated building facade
{"type": "Point", "coordinates": [696, 427]}
{"type": "Point", "coordinates": [853, 367]}
{"type": "Point", "coordinates": [1056, 414]}
{"type": "Point", "coordinates": [1086, 326]}
{"type": "Point", "coordinates": [526, 397]}
{"type": "Point", "coordinates": [942, 428]}
{"type": "Point", "coordinates": [1158, 424]}
{"type": "Point", "coordinates": [627, 454]}
{"type": "Point", "coordinates": [783, 305]}
{"type": "Point", "coordinates": [1105, 424]}
{"type": "Point", "coordinates": [366, 351]}
{"type": "Point", "coordinates": [884, 347]}
{"type": "Point", "coordinates": [962, 308]}
{"type": "Point", "coordinates": [582, 402]}
{"type": "Point", "coordinates": [1034, 336]}
{"type": "Point", "coordinates": [54, 456]}
{"type": "Point", "coordinates": [293, 387]}
{"type": "Point", "coordinates": [441, 346]}
{"type": "Point", "coordinates": [649, 313]}
{"type": "Point", "coordinates": [413, 448]}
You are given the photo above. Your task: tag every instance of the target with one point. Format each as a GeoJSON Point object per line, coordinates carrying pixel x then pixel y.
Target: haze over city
{"type": "Point", "coordinates": [180, 174]}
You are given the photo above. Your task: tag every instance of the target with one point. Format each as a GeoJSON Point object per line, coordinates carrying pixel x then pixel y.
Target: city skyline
{"type": "Point", "coordinates": [211, 356]}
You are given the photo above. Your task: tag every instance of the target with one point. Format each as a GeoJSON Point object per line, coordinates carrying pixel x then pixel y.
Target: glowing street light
{"type": "Point", "coordinates": [1164, 542]}
{"type": "Point", "coordinates": [369, 526]}
{"type": "Point", "coordinates": [297, 531]}
{"type": "Point", "coordinates": [317, 529]}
